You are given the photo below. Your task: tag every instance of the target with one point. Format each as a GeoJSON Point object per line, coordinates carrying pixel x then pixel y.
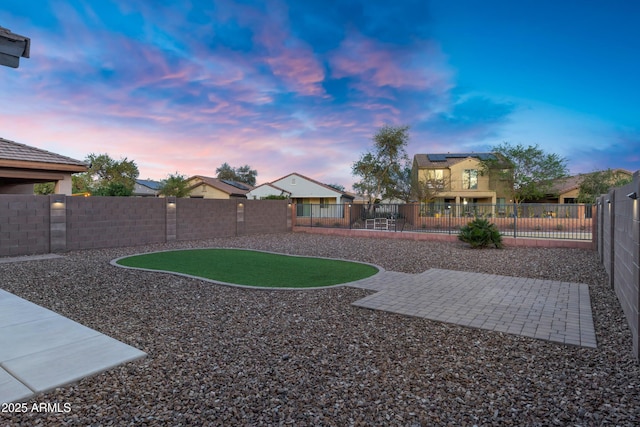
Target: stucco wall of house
{"type": "Point", "coordinates": [263, 191]}
{"type": "Point", "coordinates": [208, 192]}
{"type": "Point", "coordinates": [16, 189]}
{"type": "Point", "coordinates": [457, 172]}
{"type": "Point", "coordinates": [489, 187]}
{"type": "Point", "coordinates": [300, 187]}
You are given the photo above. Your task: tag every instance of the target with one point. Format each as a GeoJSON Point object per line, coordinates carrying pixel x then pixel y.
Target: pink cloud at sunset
{"type": "Point", "coordinates": [300, 86]}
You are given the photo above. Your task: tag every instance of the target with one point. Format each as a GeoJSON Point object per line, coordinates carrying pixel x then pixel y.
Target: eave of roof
{"type": "Point", "coordinates": [450, 159]}
{"type": "Point", "coordinates": [344, 194]}
{"type": "Point", "coordinates": [21, 156]}
{"type": "Point", "coordinates": [219, 185]}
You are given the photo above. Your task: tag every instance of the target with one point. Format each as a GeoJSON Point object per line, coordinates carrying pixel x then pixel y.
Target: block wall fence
{"type": "Point", "coordinates": [618, 244]}
{"type": "Point", "coordinates": [56, 223]}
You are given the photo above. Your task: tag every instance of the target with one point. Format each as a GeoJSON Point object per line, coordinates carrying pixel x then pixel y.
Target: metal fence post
{"type": "Point", "coordinates": [515, 220]}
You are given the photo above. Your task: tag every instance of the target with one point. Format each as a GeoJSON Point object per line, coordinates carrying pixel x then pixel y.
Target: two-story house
{"type": "Point", "coordinates": [458, 179]}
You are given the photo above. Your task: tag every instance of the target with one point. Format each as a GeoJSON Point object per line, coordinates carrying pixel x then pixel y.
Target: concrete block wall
{"type": "Point", "coordinates": [107, 222]}
{"type": "Point", "coordinates": [58, 223]}
{"type": "Point", "coordinates": [266, 216]}
{"type": "Point", "coordinates": [619, 249]}
{"type": "Point", "coordinates": [198, 219]}
{"type": "Point", "coordinates": [24, 225]}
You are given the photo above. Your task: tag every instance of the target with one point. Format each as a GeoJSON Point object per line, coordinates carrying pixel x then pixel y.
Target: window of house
{"type": "Point", "coordinates": [435, 178]}
{"type": "Point", "coordinates": [470, 179]}
{"type": "Point", "coordinates": [436, 174]}
{"type": "Point", "coordinates": [324, 201]}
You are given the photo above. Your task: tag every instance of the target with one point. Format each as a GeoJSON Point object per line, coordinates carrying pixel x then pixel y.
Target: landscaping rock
{"type": "Point", "coordinates": [221, 355]}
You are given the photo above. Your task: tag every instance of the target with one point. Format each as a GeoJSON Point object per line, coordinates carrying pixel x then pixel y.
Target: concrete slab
{"type": "Point", "coordinates": [18, 310]}
{"type": "Point", "coordinates": [11, 389]}
{"type": "Point", "coordinates": [69, 363]}
{"type": "Point", "coordinates": [41, 350]}
{"type": "Point", "coordinates": [22, 339]}
{"type": "Point", "coordinates": [5, 260]}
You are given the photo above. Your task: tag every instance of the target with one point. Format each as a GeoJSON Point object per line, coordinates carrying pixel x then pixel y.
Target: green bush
{"type": "Point", "coordinates": [480, 233]}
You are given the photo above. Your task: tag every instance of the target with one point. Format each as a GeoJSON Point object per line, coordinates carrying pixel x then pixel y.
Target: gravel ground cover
{"type": "Point", "coordinates": [229, 356]}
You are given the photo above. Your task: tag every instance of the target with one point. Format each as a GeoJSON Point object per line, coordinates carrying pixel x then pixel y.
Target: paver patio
{"type": "Point", "coordinates": [544, 309]}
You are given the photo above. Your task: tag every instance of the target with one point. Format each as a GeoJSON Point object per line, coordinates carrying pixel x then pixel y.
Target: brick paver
{"type": "Point", "coordinates": [544, 309]}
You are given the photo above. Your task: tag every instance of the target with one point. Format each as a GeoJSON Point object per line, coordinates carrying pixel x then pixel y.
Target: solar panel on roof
{"type": "Point", "coordinates": [444, 157]}
{"type": "Point", "coordinates": [235, 184]}
{"type": "Point", "coordinates": [437, 157]}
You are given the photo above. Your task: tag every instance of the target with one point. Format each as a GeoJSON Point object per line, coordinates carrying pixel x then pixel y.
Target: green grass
{"type": "Point", "coordinates": [253, 268]}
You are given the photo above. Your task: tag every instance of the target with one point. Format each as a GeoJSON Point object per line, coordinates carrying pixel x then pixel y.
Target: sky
{"type": "Point", "coordinates": [303, 86]}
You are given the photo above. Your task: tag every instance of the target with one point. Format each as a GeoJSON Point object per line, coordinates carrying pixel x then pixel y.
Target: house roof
{"type": "Point", "coordinates": [446, 160]}
{"type": "Point", "coordinates": [153, 185]}
{"type": "Point", "coordinates": [16, 155]}
{"type": "Point", "coordinates": [275, 187]}
{"type": "Point", "coordinates": [565, 185]}
{"type": "Point", "coordinates": [233, 188]}
{"type": "Point", "coordinates": [344, 194]}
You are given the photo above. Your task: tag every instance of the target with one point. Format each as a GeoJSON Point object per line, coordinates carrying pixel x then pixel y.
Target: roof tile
{"type": "Point", "coordinates": [10, 150]}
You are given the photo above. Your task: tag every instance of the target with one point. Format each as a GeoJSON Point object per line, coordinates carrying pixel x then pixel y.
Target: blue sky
{"type": "Point", "coordinates": [293, 86]}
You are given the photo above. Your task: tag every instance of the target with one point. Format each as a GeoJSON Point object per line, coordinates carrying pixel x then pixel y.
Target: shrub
{"type": "Point", "coordinates": [480, 233]}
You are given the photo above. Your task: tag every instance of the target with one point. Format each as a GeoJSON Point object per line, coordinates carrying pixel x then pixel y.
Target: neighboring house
{"type": "Point", "coordinates": [266, 190]}
{"type": "Point", "coordinates": [459, 180]}
{"type": "Point", "coordinates": [146, 188]}
{"type": "Point", "coordinates": [312, 198]}
{"type": "Point", "coordinates": [205, 187]}
{"type": "Point", "coordinates": [22, 166]}
{"type": "Point", "coordinates": [304, 190]}
{"type": "Point", "coordinates": [566, 190]}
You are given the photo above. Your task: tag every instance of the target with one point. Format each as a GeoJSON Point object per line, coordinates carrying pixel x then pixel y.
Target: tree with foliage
{"type": "Point", "coordinates": [44, 188]}
{"type": "Point", "coordinates": [401, 187]}
{"type": "Point", "coordinates": [174, 185]}
{"type": "Point", "coordinates": [241, 174]}
{"type": "Point", "coordinates": [114, 189]}
{"type": "Point", "coordinates": [381, 168]}
{"type": "Point", "coordinates": [336, 186]}
{"type": "Point", "coordinates": [409, 187]}
{"type": "Point", "coordinates": [597, 183]}
{"type": "Point", "coordinates": [106, 176]}
{"type": "Point", "coordinates": [426, 190]}
{"type": "Point", "coordinates": [530, 171]}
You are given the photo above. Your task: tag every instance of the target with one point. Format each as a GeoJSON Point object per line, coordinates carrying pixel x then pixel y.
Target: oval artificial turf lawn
{"type": "Point", "coordinates": [253, 268]}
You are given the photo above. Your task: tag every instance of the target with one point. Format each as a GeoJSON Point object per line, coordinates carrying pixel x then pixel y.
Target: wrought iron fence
{"type": "Point", "coordinates": [533, 220]}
